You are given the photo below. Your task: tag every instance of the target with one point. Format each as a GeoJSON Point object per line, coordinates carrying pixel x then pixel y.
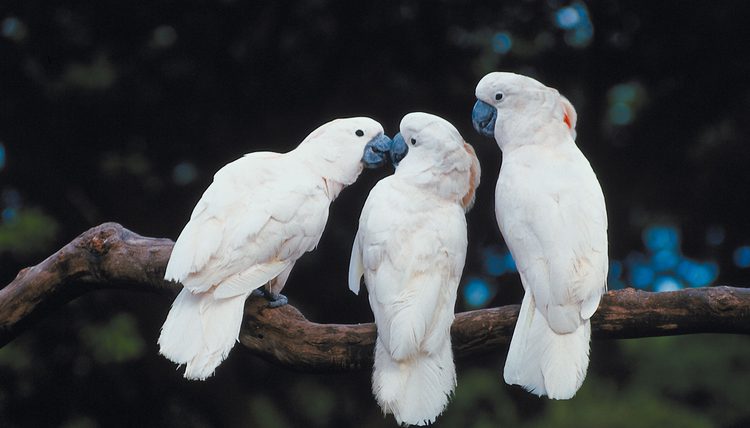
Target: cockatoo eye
{"type": "Point", "coordinates": [413, 141]}
{"type": "Point", "coordinates": [499, 96]}
{"type": "Point", "coordinates": [360, 133]}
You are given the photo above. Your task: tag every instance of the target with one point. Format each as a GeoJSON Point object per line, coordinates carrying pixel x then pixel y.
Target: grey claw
{"type": "Point", "coordinates": [279, 300]}
{"type": "Point", "coordinates": [274, 301]}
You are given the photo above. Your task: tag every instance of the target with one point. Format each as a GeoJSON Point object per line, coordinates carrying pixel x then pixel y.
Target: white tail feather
{"type": "Point", "coordinates": [200, 330]}
{"type": "Point", "coordinates": [415, 390]}
{"type": "Point", "coordinates": [544, 362]}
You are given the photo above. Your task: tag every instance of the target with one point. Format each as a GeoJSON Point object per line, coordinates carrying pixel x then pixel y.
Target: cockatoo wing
{"type": "Point", "coordinates": [241, 234]}
{"type": "Point", "coordinates": [555, 228]}
{"type": "Point", "coordinates": [412, 247]}
{"type": "Point", "coordinates": [411, 283]}
{"type": "Point", "coordinates": [356, 265]}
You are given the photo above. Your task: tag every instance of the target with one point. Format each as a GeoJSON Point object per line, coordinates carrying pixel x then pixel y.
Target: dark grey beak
{"type": "Point", "coordinates": [399, 149]}
{"type": "Point", "coordinates": [484, 116]}
{"type": "Point", "coordinates": [376, 151]}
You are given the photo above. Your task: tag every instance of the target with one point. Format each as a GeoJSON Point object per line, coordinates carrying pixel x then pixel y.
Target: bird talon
{"type": "Point", "coordinates": [274, 300]}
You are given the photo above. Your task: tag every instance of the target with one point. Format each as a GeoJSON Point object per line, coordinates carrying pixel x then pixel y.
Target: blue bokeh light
{"type": "Point", "coordinates": [9, 214]}
{"type": "Point", "coordinates": [2, 156]}
{"type": "Point", "coordinates": [574, 19]}
{"type": "Point", "coordinates": [10, 26]}
{"type": "Point", "coordinates": [510, 264]}
{"type": "Point", "coordinates": [477, 293]}
{"type": "Point", "coordinates": [664, 260]}
{"type": "Point", "coordinates": [741, 257]}
{"type": "Point", "coordinates": [567, 18]}
{"type": "Point", "coordinates": [184, 173]}
{"type": "Point", "coordinates": [614, 277]}
{"type": "Point", "coordinates": [624, 101]}
{"type": "Point", "coordinates": [580, 37]}
{"type": "Point", "coordinates": [493, 261]}
{"type": "Point", "coordinates": [663, 266]}
{"type": "Point", "coordinates": [667, 283]}
{"type": "Point", "coordinates": [624, 93]}
{"type": "Point", "coordinates": [697, 274]}
{"type": "Point", "coordinates": [661, 237]}
{"type": "Point", "coordinates": [620, 113]}
{"type": "Point", "coordinates": [502, 43]}
{"type": "Point", "coordinates": [641, 275]}
{"type": "Point", "coordinates": [615, 269]}
{"type": "Point", "coordinates": [497, 261]}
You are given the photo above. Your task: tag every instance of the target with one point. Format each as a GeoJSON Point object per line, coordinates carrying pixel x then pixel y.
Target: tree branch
{"type": "Point", "coordinates": [110, 256]}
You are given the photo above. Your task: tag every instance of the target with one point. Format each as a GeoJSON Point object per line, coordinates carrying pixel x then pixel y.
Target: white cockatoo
{"type": "Point", "coordinates": [411, 247]}
{"type": "Point", "coordinates": [550, 209]}
{"type": "Point", "coordinates": [260, 214]}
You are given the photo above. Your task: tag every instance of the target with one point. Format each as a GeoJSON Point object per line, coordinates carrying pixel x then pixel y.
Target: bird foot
{"type": "Point", "coordinates": [274, 299]}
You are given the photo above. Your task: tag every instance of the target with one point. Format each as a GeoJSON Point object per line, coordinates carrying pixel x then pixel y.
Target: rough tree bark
{"type": "Point", "coordinates": [110, 256]}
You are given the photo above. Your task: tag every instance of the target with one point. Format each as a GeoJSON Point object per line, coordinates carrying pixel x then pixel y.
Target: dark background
{"type": "Point", "coordinates": [122, 111]}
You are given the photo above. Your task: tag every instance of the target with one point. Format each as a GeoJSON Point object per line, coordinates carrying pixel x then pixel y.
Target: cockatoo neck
{"type": "Point", "coordinates": [510, 133]}
{"type": "Point", "coordinates": [446, 177]}
{"type": "Point", "coordinates": [330, 164]}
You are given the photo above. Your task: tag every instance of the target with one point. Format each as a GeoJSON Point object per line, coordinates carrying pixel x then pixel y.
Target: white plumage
{"type": "Point", "coordinates": [411, 247]}
{"type": "Point", "coordinates": [260, 214]}
{"type": "Point", "coordinates": [551, 212]}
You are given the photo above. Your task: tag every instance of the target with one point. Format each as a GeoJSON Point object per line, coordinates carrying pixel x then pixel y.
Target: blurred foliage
{"type": "Point", "coordinates": [80, 422]}
{"type": "Point", "coordinates": [123, 111]}
{"type": "Point", "coordinates": [683, 369]}
{"type": "Point", "coordinates": [263, 412]}
{"type": "Point", "coordinates": [316, 401]}
{"type": "Point", "coordinates": [601, 404]}
{"type": "Point", "coordinates": [480, 401]}
{"type": "Point", "coordinates": [100, 74]}
{"type": "Point", "coordinates": [27, 232]}
{"type": "Point", "coordinates": [16, 357]}
{"type": "Point", "coordinates": [116, 341]}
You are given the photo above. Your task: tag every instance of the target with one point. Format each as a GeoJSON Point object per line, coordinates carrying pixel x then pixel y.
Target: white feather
{"type": "Point", "coordinates": [545, 362]}
{"type": "Point", "coordinates": [243, 283]}
{"type": "Point", "coordinates": [261, 213]}
{"type": "Point", "coordinates": [551, 212]}
{"type": "Point", "coordinates": [411, 247]}
{"type": "Point", "coordinates": [356, 267]}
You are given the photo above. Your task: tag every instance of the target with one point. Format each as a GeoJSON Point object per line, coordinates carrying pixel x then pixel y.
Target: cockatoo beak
{"type": "Point", "coordinates": [399, 149]}
{"type": "Point", "coordinates": [483, 116]}
{"type": "Point", "coordinates": [376, 151]}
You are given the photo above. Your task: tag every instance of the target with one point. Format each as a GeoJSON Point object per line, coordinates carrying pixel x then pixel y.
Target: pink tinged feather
{"type": "Point", "coordinates": [467, 202]}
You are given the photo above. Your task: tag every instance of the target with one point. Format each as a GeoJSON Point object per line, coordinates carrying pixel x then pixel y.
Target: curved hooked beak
{"type": "Point", "coordinates": [484, 116]}
{"type": "Point", "coordinates": [399, 149]}
{"type": "Point", "coordinates": [376, 151]}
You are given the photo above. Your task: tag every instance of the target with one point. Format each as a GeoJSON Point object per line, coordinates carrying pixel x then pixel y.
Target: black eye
{"type": "Point", "coordinates": [360, 133]}
{"type": "Point", "coordinates": [413, 142]}
{"type": "Point", "coordinates": [498, 96]}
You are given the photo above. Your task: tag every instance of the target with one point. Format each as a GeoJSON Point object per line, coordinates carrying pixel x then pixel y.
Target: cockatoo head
{"type": "Point", "coordinates": [339, 149]}
{"type": "Point", "coordinates": [509, 103]}
{"type": "Point", "coordinates": [436, 154]}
